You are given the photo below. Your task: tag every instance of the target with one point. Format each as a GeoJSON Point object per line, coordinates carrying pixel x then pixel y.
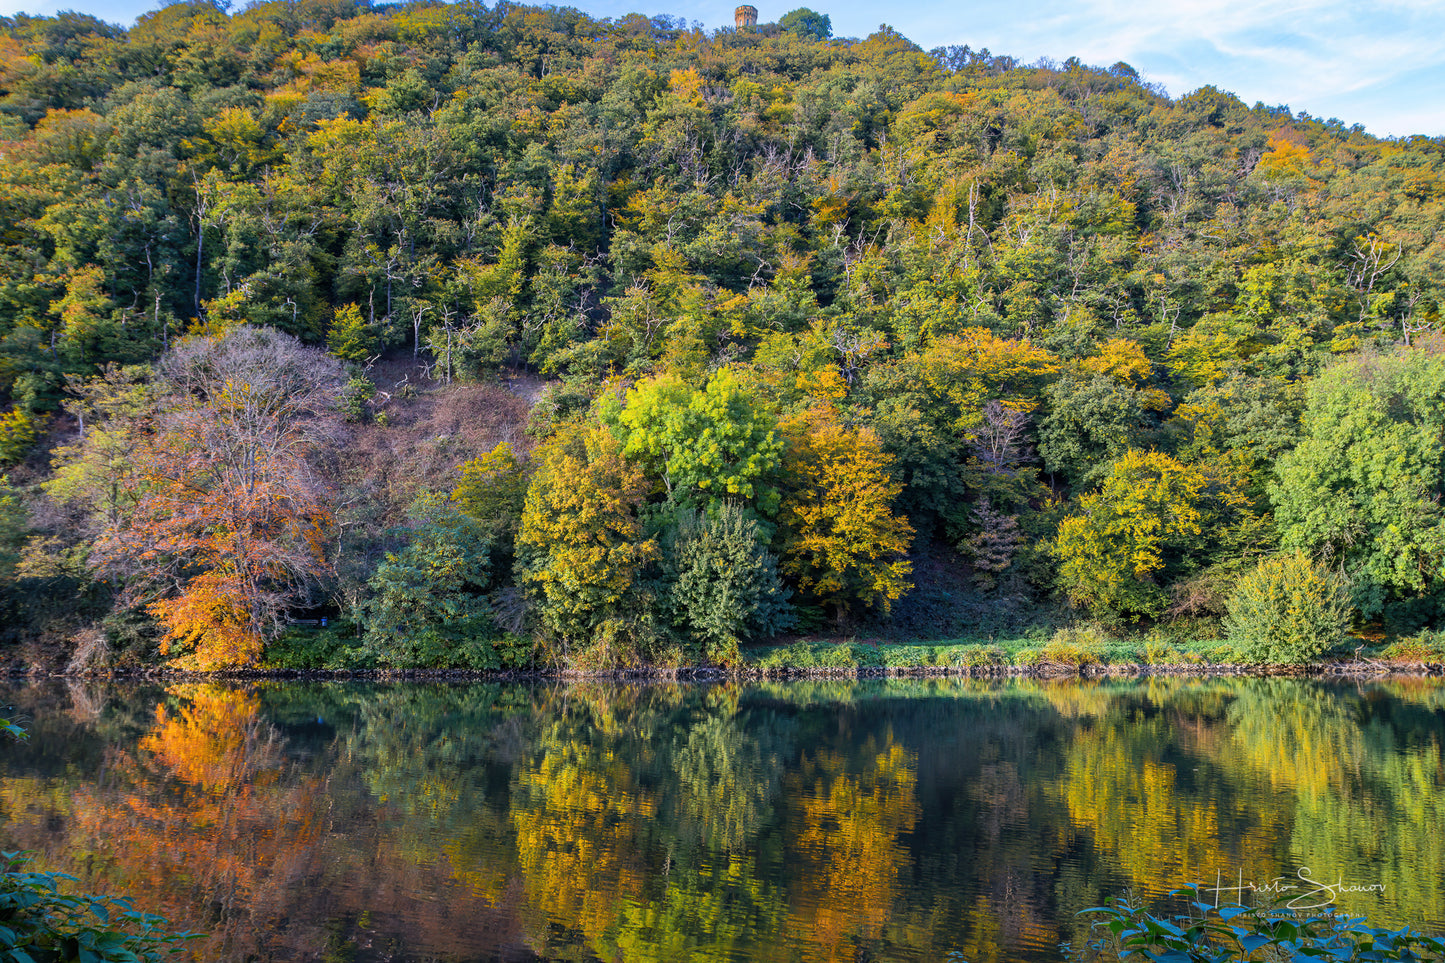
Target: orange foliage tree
{"type": "Point", "coordinates": [231, 524]}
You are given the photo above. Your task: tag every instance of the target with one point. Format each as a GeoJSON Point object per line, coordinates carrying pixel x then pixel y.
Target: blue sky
{"type": "Point", "coordinates": [1379, 63]}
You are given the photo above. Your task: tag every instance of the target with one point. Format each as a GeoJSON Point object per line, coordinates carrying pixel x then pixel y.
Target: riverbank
{"type": "Point", "coordinates": [1342, 669]}
{"type": "Point", "coordinates": [1079, 651]}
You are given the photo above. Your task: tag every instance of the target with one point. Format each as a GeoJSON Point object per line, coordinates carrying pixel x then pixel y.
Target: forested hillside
{"type": "Point", "coordinates": [821, 333]}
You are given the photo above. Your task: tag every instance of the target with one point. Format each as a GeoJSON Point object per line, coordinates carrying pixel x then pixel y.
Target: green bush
{"type": "Point", "coordinates": [430, 607]}
{"type": "Point", "coordinates": [909, 656]}
{"type": "Point", "coordinates": [1157, 652]}
{"type": "Point", "coordinates": [356, 398]}
{"type": "Point", "coordinates": [1426, 646]}
{"type": "Point", "coordinates": [1290, 609]}
{"type": "Point", "coordinates": [338, 647]}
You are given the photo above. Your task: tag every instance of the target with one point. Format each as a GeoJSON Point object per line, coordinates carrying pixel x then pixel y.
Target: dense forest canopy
{"type": "Point", "coordinates": [818, 319]}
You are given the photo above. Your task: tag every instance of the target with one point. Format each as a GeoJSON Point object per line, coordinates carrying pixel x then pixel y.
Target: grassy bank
{"type": "Point", "coordinates": [1080, 649]}
{"type": "Point", "coordinates": [1070, 651]}
{"type": "Point", "coordinates": [1085, 649]}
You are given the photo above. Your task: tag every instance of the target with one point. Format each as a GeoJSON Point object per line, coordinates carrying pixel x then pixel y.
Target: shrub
{"type": "Point", "coordinates": [39, 923]}
{"type": "Point", "coordinates": [1288, 610]}
{"type": "Point", "coordinates": [978, 656]}
{"type": "Point", "coordinates": [356, 398]}
{"type": "Point", "coordinates": [1162, 653]}
{"type": "Point", "coordinates": [1426, 646]}
{"type": "Point", "coordinates": [429, 607]}
{"type": "Point", "coordinates": [1076, 647]}
{"type": "Point", "coordinates": [909, 656]}
{"type": "Point", "coordinates": [337, 647]}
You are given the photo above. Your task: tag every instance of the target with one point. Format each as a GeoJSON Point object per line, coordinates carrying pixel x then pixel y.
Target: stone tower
{"type": "Point", "coordinates": [746, 16]}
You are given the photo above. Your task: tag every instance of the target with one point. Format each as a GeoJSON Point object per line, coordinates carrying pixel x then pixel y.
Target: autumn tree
{"type": "Point", "coordinates": [493, 488]}
{"type": "Point", "coordinates": [351, 337]}
{"type": "Point", "coordinates": [582, 543]}
{"type": "Point", "coordinates": [840, 540]}
{"type": "Point", "coordinates": [1115, 549]}
{"type": "Point", "coordinates": [230, 524]}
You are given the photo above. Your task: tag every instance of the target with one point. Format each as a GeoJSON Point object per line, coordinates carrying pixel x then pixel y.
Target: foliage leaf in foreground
{"type": "Point", "coordinates": [1209, 933]}
{"type": "Point", "coordinates": [40, 924]}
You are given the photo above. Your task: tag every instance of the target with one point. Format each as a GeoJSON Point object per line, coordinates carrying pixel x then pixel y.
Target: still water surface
{"type": "Point", "coordinates": [806, 821]}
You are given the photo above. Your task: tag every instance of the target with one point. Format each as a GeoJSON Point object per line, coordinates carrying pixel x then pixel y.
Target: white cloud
{"type": "Point", "coordinates": [1329, 58]}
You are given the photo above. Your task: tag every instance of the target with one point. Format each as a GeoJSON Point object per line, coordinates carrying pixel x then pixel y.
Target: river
{"type": "Point", "coordinates": [867, 820]}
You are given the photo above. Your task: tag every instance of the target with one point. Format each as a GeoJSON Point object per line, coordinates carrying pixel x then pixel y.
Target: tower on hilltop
{"type": "Point", "coordinates": [746, 16]}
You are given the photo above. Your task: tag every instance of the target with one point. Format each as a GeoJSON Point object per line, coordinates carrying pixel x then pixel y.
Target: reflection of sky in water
{"type": "Point", "coordinates": [810, 821]}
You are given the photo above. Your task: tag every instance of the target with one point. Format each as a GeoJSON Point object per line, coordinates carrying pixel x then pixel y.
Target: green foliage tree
{"type": "Point", "coordinates": [13, 525]}
{"type": "Point", "coordinates": [1363, 487]}
{"type": "Point", "coordinates": [706, 446]}
{"type": "Point", "coordinates": [807, 24]}
{"type": "Point", "coordinates": [1090, 423]}
{"type": "Point", "coordinates": [429, 606]}
{"type": "Point", "coordinates": [722, 582]}
{"type": "Point", "coordinates": [1241, 423]}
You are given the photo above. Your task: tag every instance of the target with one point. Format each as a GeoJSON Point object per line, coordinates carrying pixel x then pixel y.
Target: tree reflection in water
{"type": "Point", "coordinates": [822, 821]}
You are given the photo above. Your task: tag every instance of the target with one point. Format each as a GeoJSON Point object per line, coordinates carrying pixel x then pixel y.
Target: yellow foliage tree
{"type": "Point", "coordinates": [1122, 359]}
{"type": "Point", "coordinates": [1285, 158]}
{"type": "Point", "coordinates": [1112, 550]}
{"type": "Point", "coordinates": [581, 540]}
{"type": "Point", "coordinates": [841, 540]}
{"type": "Point", "coordinates": [493, 487]}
